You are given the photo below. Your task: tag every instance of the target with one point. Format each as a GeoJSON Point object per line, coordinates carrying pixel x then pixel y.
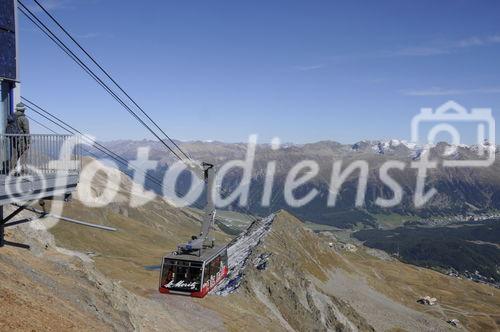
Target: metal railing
{"type": "Point", "coordinates": [39, 154]}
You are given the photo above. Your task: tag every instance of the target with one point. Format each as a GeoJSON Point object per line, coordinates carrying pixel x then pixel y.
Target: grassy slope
{"type": "Point", "coordinates": [147, 233]}
{"type": "Point", "coordinates": [39, 294]}
{"type": "Point", "coordinates": [143, 237]}
{"type": "Point", "coordinates": [475, 305]}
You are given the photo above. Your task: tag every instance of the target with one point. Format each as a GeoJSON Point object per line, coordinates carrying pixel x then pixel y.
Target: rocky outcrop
{"type": "Point", "coordinates": [290, 285]}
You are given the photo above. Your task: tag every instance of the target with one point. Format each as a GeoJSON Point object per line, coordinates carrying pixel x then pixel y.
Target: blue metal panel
{"type": "Point", "coordinates": [7, 40]}
{"type": "Point", "coordinates": [8, 55]}
{"type": "Point", "coordinates": [7, 18]}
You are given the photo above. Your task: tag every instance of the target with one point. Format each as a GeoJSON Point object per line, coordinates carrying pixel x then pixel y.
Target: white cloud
{"type": "Point", "coordinates": [494, 39]}
{"type": "Point", "coordinates": [309, 68]}
{"type": "Point", "coordinates": [439, 48]}
{"type": "Point", "coordinates": [471, 42]}
{"type": "Point", "coordinates": [435, 48]}
{"type": "Point", "coordinates": [91, 35]}
{"type": "Point", "coordinates": [438, 91]}
{"type": "Point", "coordinates": [419, 51]}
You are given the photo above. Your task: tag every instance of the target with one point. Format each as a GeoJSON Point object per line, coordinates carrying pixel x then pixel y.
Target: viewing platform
{"type": "Point", "coordinates": [38, 166]}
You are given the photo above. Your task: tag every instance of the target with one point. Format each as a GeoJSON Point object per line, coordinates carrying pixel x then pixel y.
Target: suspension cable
{"type": "Point", "coordinates": [64, 125]}
{"type": "Point", "coordinates": [39, 24]}
{"type": "Point", "coordinates": [110, 77]}
{"type": "Point", "coordinates": [46, 30]}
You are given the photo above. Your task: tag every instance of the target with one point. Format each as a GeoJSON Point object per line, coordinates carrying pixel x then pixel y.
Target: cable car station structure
{"type": "Point", "coordinates": [29, 172]}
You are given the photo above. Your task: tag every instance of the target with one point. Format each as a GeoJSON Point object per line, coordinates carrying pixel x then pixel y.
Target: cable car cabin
{"type": "Point", "coordinates": [192, 275]}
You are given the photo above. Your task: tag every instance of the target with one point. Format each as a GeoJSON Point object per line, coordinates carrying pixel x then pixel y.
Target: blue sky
{"type": "Point", "coordinates": [300, 70]}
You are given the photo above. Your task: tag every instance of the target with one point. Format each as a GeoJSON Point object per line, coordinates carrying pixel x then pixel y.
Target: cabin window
{"type": "Point", "coordinates": [206, 276]}
{"type": "Point", "coordinates": [224, 258]}
{"type": "Point", "coordinates": [214, 267]}
{"type": "Point", "coordinates": [181, 275]}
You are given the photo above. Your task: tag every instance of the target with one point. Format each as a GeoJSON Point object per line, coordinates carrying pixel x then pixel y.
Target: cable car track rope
{"type": "Point", "coordinates": [108, 152]}
{"type": "Point", "coordinates": [49, 33]}
{"type": "Point", "coordinates": [72, 130]}
{"type": "Point", "coordinates": [56, 40]}
{"type": "Point", "coordinates": [110, 77]}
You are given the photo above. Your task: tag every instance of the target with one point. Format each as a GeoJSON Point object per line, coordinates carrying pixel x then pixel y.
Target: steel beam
{"type": "Point", "coordinates": [18, 245]}
{"type": "Point", "coordinates": [2, 228]}
{"type": "Point", "coordinates": [17, 222]}
{"type": "Point", "coordinates": [15, 213]}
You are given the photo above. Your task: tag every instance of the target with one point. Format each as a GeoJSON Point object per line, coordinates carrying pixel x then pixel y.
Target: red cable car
{"type": "Point", "coordinates": [198, 265]}
{"type": "Point", "coordinates": [187, 274]}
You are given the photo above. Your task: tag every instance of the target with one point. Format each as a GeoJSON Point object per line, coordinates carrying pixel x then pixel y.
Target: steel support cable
{"type": "Point", "coordinates": [89, 71]}
{"type": "Point", "coordinates": [42, 125]}
{"type": "Point", "coordinates": [98, 146]}
{"type": "Point", "coordinates": [252, 217]}
{"type": "Point", "coordinates": [110, 77]}
{"type": "Point", "coordinates": [102, 147]}
{"type": "Point", "coordinates": [75, 58]}
{"type": "Point", "coordinates": [56, 133]}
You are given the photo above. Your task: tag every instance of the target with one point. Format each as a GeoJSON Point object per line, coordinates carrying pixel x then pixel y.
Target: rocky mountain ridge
{"type": "Point", "coordinates": [461, 191]}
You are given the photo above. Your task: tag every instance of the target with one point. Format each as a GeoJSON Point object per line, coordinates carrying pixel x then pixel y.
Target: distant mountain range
{"type": "Point", "coordinates": [461, 191]}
